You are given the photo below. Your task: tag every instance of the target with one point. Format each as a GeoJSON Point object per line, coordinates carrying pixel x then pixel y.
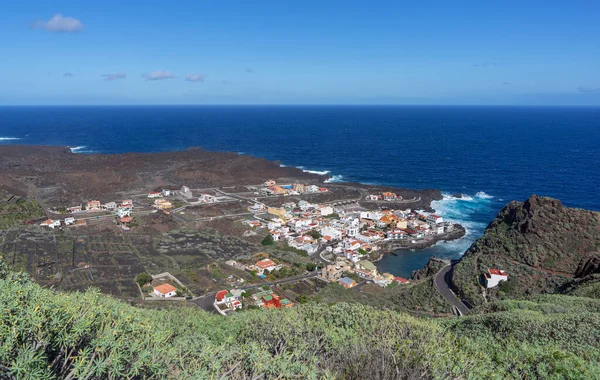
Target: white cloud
{"type": "Point", "coordinates": [158, 75]}
{"type": "Point", "coordinates": [194, 78]}
{"type": "Point", "coordinates": [60, 23]}
{"type": "Point", "coordinates": [113, 76]}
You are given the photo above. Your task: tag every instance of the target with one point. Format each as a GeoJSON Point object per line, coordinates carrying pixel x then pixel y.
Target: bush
{"type": "Point", "coordinates": [268, 240]}
{"type": "Point", "coordinates": [143, 279]}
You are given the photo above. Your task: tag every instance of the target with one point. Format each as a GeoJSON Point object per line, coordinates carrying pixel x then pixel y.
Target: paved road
{"type": "Point", "coordinates": [206, 301]}
{"type": "Point", "coordinates": [441, 281]}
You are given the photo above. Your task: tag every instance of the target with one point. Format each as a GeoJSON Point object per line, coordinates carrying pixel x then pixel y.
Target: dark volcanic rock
{"type": "Point", "coordinates": [57, 176]}
{"type": "Point", "coordinates": [540, 242]}
{"type": "Point", "coordinates": [433, 266]}
{"type": "Point", "coordinates": [588, 267]}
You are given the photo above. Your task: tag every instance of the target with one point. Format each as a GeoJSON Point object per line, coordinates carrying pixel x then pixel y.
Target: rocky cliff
{"type": "Point", "coordinates": [544, 246]}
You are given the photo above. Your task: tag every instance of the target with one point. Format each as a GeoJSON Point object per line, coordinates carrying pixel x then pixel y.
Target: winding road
{"type": "Point", "coordinates": [442, 281]}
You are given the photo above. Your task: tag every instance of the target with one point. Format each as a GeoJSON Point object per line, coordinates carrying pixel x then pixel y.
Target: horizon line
{"type": "Point", "coordinates": [298, 105]}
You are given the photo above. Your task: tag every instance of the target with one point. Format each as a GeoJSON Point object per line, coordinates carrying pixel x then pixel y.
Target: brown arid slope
{"type": "Point", "coordinates": [543, 245]}
{"type": "Point", "coordinates": [57, 176]}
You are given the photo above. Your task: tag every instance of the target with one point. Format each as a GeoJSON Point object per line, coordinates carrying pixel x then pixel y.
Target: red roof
{"type": "Point", "coordinates": [401, 280]}
{"type": "Point", "coordinates": [498, 272]}
{"type": "Point", "coordinates": [126, 219]}
{"type": "Point", "coordinates": [221, 295]}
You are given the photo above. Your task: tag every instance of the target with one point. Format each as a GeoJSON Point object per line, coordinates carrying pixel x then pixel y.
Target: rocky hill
{"type": "Point", "coordinates": [545, 247]}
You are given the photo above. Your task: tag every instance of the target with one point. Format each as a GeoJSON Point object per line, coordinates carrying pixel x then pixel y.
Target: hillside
{"type": "Point", "coordinates": [88, 335]}
{"type": "Point", "coordinates": [545, 247]}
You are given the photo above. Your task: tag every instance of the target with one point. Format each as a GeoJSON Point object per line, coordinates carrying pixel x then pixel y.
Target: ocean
{"type": "Point", "coordinates": [490, 154]}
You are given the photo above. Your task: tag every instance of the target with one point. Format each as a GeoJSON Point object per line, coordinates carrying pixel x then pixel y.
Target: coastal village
{"type": "Point", "coordinates": [343, 237]}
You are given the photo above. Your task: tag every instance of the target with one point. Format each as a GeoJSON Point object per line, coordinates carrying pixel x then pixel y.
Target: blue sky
{"type": "Point", "coordinates": [308, 52]}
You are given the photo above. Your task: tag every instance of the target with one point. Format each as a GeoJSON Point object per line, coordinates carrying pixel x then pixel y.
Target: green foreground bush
{"type": "Point", "coordinates": [45, 334]}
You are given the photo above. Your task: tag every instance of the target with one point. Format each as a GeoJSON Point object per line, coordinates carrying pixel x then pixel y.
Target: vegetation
{"type": "Point", "coordinates": [314, 234]}
{"type": "Point", "coordinates": [268, 240]}
{"type": "Point", "coordinates": [14, 214]}
{"type": "Point", "coordinates": [88, 335]}
{"type": "Point", "coordinates": [311, 266]}
{"type": "Point", "coordinates": [143, 279]}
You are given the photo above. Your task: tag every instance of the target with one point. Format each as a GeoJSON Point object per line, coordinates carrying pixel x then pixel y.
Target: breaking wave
{"type": "Point", "coordinates": [81, 149]}
{"type": "Point", "coordinates": [472, 212]}
{"type": "Point", "coordinates": [9, 138]}
{"type": "Point", "coordinates": [335, 178]}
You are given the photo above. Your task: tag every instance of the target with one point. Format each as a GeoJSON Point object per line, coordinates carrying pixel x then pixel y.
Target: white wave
{"type": "Point", "coordinates": [319, 172]}
{"type": "Point", "coordinates": [9, 138]}
{"type": "Point", "coordinates": [335, 178]}
{"type": "Point", "coordinates": [77, 149]}
{"type": "Point", "coordinates": [483, 195]}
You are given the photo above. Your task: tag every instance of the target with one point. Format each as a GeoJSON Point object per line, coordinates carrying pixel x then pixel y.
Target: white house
{"type": "Point", "coordinates": [352, 256]}
{"type": "Point", "coordinates": [110, 205]}
{"type": "Point", "coordinates": [185, 192]}
{"type": "Point", "coordinates": [434, 219]}
{"type": "Point", "coordinates": [371, 215]}
{"type": "Point", "coordinates": [69, 221]}
{"type": "Point", "coordinates": [165, 290]}
{"type": "Point", "coordinates": [50, 223]}
{"type": "Point", "coordinates": [312, 189]}
{"type": "Point", "coordinates": [494, 276]}
{"type": "Point", "coordinates": [123, 211]}
{"type": "Point", "coordinates": [154, 194]}
{"type": "Point", "coordinates": [438, 229]}
{"type": "Point", "coordinates": [330, 231]}
{"type": "Point", "coordinates": [166, 192]}
{"type": "Point", "coordinates": [207, 198]}
{"type": "Point", "coordinates": [396, 235]}
{"type": "Point", "coordinates": [273, 225]}
{"type": "Point", "coordinates": [326, 210]}
{"type": "Point", "coordinates": [373, 197]}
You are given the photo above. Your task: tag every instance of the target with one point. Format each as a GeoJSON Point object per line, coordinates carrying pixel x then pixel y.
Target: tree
{"type": "Point", "coordinates": [143, 278]}
{"type": "Point", "coordinates": [314, 234]}
{"type": "Point", "coordinates": [268, 240]}
{"type": "Point", "coordinates": [311, 266]}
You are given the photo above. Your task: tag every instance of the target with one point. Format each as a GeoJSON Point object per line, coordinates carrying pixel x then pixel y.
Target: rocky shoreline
{"type": "Point", "coordinates": [54, 175]}
{"type": "Point", "coordinates": [390, 247]}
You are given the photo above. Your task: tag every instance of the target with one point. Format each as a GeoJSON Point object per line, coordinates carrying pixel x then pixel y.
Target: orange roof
{"type": "Point", "coordinates": [401, 280]}
{"type": "Point", "coordinates": [126, 219]}
{"type": "Point", "coordinates": [165, 288]}
{"type": "Point", "coordinates": [498, 272]}
{"type": "Point", "coordinates": [265, 263]}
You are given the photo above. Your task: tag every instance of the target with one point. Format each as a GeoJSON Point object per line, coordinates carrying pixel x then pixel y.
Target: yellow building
{"type": "Point", "coordinates": [279, 211]}
{"type": "Point", "coordinates": [402, 224]}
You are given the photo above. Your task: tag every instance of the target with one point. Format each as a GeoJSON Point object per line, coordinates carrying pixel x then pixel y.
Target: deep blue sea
{"type": "Point", "coordinates": [491, 154]}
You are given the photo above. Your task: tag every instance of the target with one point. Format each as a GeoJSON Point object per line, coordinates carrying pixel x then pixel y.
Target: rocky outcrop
{"type": "Point", "coordinates": [430, 269]}
{"type": "Point", "coordinates": [540, 242]}
{"type": "Point", "coordinates": [588, 267]}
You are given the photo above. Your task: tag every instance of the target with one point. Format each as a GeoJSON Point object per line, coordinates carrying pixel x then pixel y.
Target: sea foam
{"type": "Point", "coordinates": [335, 178]}
{"type": "Point", "coordinates": [9, 138]}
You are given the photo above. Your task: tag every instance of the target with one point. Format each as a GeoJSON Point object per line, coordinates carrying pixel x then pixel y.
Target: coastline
{"type": "Point", "coordinates": [391, 247]}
